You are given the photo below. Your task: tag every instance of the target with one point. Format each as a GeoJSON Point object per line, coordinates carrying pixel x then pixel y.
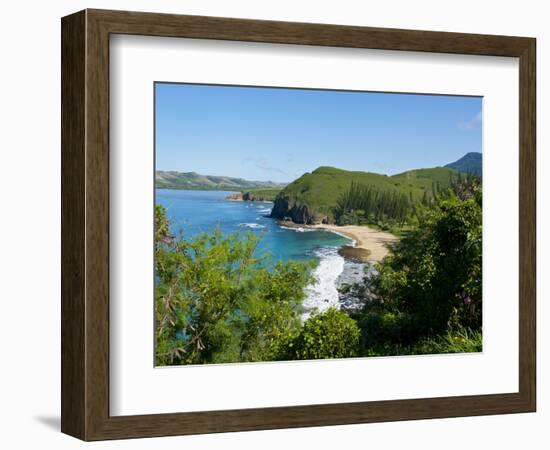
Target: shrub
{"type": "Point", "coordinates": [382, 330]}
{"type": "Point", "coordinates": [331, 334]}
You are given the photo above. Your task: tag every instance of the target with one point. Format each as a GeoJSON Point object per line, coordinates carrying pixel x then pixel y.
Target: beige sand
{"type": "Point", "coordinates": [375, 241]}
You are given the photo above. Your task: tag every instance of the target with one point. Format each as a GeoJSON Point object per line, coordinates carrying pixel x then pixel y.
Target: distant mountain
{"type": "Point", "coordinates": [313, 197]}
{"type": "Point", "coordinates": [195, 181]}
{"type": "Point", "coordinates": [469, 163]}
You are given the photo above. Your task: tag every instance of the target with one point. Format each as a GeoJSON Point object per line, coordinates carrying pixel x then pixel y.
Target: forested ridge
{"type": "Point", "coordinates": [315, 197]}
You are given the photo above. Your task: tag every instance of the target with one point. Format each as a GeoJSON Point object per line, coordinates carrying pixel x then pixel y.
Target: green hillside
{"type": "Point", "coordinates": [196, 181]}
{"type": "Point", "coordinates": [313, 197]}
{"type": "Point", "coordinates": [267, 195]}
{"type": "Point", "coordinates": [420, 180]}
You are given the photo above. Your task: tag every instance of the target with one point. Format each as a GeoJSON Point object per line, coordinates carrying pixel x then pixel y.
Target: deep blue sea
{"type": "Point", "coordinates": [193, 212]}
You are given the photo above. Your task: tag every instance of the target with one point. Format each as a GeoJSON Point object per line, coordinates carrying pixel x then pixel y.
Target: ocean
{"type": "Point", "coordinates": [193, 212]}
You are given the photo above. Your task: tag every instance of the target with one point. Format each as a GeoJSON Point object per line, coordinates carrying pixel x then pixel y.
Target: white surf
{"type": "Point", "coordinates": [322, 293]}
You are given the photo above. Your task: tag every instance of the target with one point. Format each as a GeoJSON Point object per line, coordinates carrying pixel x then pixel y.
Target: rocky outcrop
{"type": "Point", "coordinates": [285, 209]}
{"type": "Point", "coordinates": [249, 197]}
{"type": "Point", "coordinates": [356, 254]}
{"type": "Point", "coordinates": [237, 197]}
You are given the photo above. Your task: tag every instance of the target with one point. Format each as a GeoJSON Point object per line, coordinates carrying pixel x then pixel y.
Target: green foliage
{"type": "Point", "coordinates": [162, 227]}
{"type": "Point", "coordinates": [466, 187]}
{"type": "Point", "coordinates": [273, 313]}
{"type": "Point", "coordinates": [216, 302]}
{"type": "Point", "coordinates": [462, 340]}
{"type": "Point", "coordinates": [385, 330]}
{"type": "Point", "coordinates": [365, 204]}
{"type": "Point", "coordinates": [435, 274]}
{"type": "Point", "coordinates": [331, 334]}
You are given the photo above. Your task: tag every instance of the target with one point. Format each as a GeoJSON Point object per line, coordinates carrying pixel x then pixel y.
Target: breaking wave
{"type": "Point", "coordinates": [323, 294]}
{"type": "Point", "coordinates": [298, 229]}
{"type": "Point", "coordinates": [251, 225]}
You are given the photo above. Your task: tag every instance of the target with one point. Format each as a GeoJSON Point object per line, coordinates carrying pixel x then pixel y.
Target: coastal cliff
{"type": "Point", "coordinates": [287, 208]}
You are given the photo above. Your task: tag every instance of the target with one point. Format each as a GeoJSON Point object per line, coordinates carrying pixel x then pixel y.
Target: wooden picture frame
{"type": "Point", "coordinates": [85, 224]}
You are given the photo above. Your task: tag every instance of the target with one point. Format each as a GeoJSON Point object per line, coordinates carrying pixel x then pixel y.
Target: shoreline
{"type": "Point", "coordinates": [367, 239]}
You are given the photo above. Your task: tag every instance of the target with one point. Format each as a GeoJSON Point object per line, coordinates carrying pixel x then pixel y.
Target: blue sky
{"type": "Point", "coordinates": [279, 134]}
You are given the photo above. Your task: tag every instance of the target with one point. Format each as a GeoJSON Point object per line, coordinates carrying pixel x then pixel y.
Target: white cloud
{"type": "Point", "coordinates": [473, 123]}
{"type": "Point", "coordinates": [264, 164]}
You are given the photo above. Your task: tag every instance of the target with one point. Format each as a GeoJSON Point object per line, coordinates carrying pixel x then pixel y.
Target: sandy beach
{"type": "Point", "coordinates": [366, 238]}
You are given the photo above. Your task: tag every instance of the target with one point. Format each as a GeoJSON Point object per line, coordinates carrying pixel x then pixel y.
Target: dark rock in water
{"type": "Point", "coordinates": [354, 285]}
{"type": "Point", "coordinates": [354, 253]}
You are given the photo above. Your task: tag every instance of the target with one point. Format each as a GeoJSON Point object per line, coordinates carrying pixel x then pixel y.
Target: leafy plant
{"type": "Point", "coordinates": [331, 334]}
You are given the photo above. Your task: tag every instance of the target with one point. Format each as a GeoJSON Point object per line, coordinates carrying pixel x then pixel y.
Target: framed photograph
{"type": "Point", "coordinates": [272, 225]}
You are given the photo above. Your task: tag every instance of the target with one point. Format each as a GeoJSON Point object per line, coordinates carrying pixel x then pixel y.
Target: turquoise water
{"type": "Point", "coordinates": [193, 212]}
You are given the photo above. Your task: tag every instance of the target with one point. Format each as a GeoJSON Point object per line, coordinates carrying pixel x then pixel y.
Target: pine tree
{"type": "Point", "coordinates": [425, 199]}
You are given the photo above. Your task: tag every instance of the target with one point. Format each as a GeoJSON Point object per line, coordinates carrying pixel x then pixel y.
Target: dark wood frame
{"type": "Point", "coordinates": [85, 224]}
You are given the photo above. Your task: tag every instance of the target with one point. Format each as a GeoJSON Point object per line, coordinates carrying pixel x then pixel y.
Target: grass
{"type": "Point", "coordinates": [267, 194]}
{"type": "Point", "coordinates": [463, 341]}
{"type": "Point", "coordinates": [418, 181]}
